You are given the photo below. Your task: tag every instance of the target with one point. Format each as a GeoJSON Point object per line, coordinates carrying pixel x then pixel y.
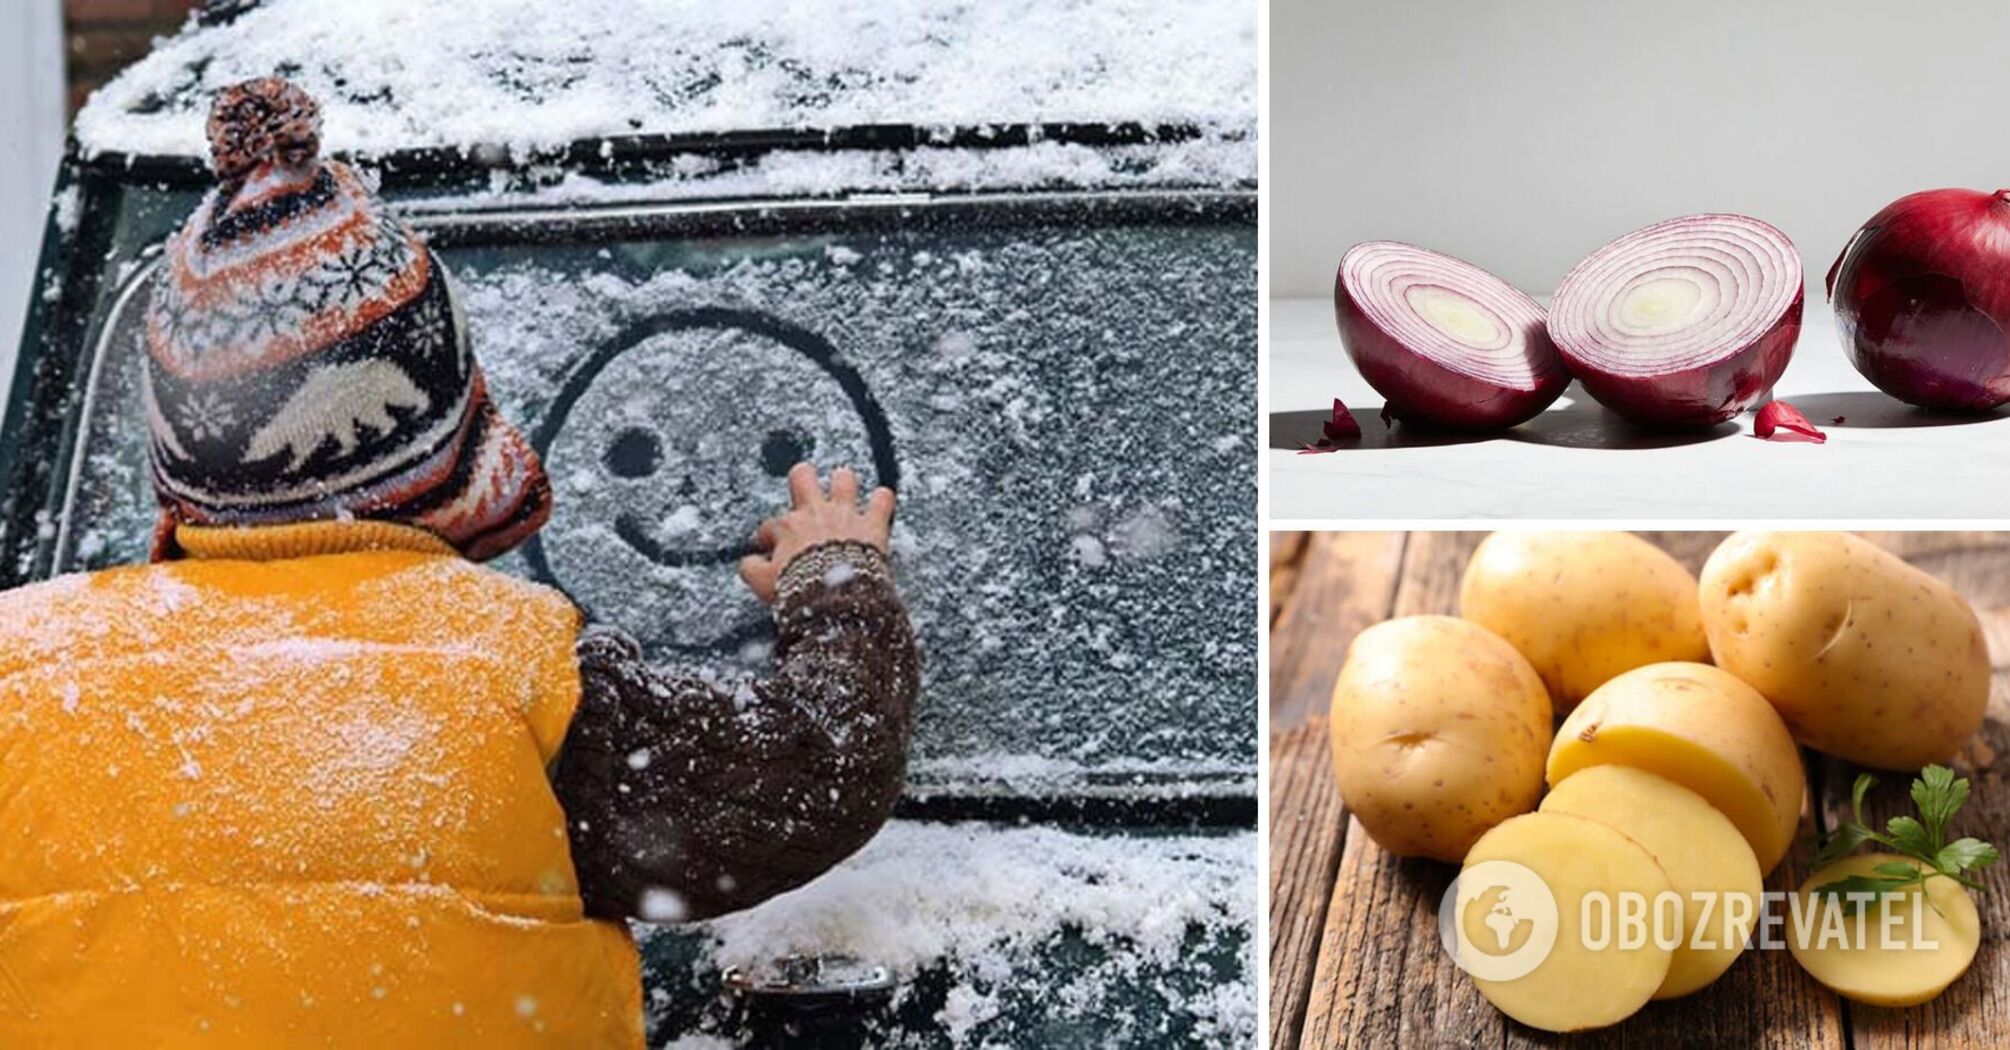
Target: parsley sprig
{"type": "Point", "coordinates": [1938, 794]}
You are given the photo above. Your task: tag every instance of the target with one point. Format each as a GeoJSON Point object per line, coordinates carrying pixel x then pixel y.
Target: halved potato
{"type": "Point", "coordinates": [1900, 950]}
{"type": "Point", "coordinates": [1703, 729]}
{"type": "Point", "coordinates": [1708, 862]}
{"type": "Point", "coordinates": [1577, 985]}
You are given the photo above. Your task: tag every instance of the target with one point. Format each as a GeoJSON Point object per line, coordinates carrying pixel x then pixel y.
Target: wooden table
{"type": "Point", "coordinates": [1354, 953]}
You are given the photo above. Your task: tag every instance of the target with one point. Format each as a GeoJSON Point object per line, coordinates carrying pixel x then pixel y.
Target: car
{"type": "Point", "coordinates": [1000, 257]}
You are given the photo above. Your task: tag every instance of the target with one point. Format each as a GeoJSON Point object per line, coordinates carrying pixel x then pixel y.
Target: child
{"type": "Point", "coordinates": [315, 777]}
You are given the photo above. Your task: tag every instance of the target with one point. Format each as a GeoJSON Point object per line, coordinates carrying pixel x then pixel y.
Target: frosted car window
{"type": "Point", "coordinates": [1066, 410]}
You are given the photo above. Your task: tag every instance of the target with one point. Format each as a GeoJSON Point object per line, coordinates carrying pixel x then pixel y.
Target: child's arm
{"type": "Point", "coordinates": [686, 797]}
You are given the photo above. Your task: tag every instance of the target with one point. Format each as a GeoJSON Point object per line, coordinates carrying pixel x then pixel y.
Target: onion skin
{"type": "Point", "coordinates": [1782, 421]}
{"type": "Point", "coordinates": [1922, 299]}
{"type": "Point", "coordinates": [1421, 390]}
{"type": "Point", "coordinates": [1702, 396]}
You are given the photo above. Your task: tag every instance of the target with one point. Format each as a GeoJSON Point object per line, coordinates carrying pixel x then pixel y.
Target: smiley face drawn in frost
{"type": "Point", "coordinates": [666, 448]}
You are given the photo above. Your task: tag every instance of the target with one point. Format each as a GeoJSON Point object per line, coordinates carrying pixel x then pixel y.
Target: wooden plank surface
{"type": "Point", "coordinates": [1287, 552]}
{"type": "Point", "coordinates": [1377, 976]}
{"type": "Point", "coordinates": [1343, 582]}
{"type": "Point", "coordinates": [1334, 585]}
{"type": "Point", "coordinates": [1306, 825]}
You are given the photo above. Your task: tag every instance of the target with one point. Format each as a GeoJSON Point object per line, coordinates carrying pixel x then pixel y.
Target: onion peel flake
{"type": "Point", "coordinates": [1780, 421]}
{"type": "Point", "coordinates": [1341, 427]}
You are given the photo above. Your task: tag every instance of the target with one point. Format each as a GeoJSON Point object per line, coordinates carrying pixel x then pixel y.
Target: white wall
{"type": "Point", "coordinates": [31, 142]}
{"type": "Point", "coordinates": [1522, 135]}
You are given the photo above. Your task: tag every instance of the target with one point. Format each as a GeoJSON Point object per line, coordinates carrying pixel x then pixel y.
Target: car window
{"type": "Point", "coordinates": [1066, 407]}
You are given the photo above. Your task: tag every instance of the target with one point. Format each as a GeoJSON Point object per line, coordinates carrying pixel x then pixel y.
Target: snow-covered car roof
{"type": "Point", "coordinates": [533, 77]}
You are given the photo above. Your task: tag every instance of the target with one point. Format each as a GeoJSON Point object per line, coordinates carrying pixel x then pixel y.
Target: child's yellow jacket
{"type": "Point", "coordinates": [377, 861]}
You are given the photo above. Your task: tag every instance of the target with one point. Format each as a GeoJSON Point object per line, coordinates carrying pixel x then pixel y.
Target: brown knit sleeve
{"type": "Point", "coordinates": [688, 797]}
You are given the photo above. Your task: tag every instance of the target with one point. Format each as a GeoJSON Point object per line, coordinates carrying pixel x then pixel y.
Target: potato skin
{"type": "Point", "coordinates": [1865, 657]}
{"type": "Point", "coordinates": [1583, 607]}
{"type": "Point", "coordinates": [1439, 730]}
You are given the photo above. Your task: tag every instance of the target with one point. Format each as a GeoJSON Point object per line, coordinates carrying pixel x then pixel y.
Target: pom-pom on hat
{"type": "Point", "coordinates": [307, 359]}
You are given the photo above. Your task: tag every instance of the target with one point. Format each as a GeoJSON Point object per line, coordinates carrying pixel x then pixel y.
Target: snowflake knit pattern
{"type": "Point", "coordinates": [307, 360]}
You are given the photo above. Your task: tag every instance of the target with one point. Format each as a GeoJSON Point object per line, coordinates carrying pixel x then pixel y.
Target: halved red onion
{"type": "Point", "coordinates": [1922, 299]}
{"type": "Point", "coordinates": [1445, 341]}
{"type": "Point", "coordinates": [1686, 322]}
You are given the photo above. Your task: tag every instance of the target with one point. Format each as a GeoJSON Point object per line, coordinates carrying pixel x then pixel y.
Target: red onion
{"type": "Point", "coordinates": [1922, 299]}
{"type": "Point", "coordinates": [1686, 322]}
{"type": "Point", "coordinates": [1445, 341]}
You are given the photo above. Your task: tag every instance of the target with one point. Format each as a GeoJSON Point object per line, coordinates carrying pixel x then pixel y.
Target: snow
{"type": "Point", "coordinates": [987, 904]}
{"type": "Point", "coordinates": [1041, 776]}
{"type": "Point", "coordinates": [799, 173]}
{"type": "Point", "coordinates": [701, 1042]}
{"type": "Point", "coordinates": [661, 905]}
{"type": "Point", "coordinates": [64, 207]}
{"type": "Point", "coordinates": [395, 74]}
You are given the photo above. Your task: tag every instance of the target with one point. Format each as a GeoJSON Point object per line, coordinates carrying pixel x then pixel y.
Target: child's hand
{"type": "Point", "coordinates": [814, 518]}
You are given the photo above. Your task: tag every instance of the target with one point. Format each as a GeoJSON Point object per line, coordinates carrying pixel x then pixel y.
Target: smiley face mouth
{"type": "Point", "coordinates": [637, 537]}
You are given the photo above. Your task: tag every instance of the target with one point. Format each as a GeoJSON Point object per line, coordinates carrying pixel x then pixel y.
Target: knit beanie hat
{"type": "Point", "coordinates": [307, 359]}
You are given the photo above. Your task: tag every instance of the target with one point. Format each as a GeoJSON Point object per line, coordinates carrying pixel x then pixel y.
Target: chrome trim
{"type": "Point", "coordinates": [59, 552]}
{"type": "Point", "coordinates": [446, 219]}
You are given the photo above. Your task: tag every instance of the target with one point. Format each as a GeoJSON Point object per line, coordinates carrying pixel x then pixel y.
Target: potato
{"type": "Point", "coordinates": [1575, 986]}
{"type": "Point", "coordinates": [1871, 962]}
{"type": "Point", "coordinates": [1439, 731]}
{"type": "Point", "coordinates": [1703, 729]}
{"type": "Point", "coordinates": [1708, 862]}
{"type": "Point", "coordinates": [1866, 657]}
{"type": "Point", "coordinates": [1584, 607]}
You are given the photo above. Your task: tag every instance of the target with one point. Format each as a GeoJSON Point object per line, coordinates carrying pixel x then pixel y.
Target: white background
{"type": "Point", "coordinates": [1522, 135]}
{"type": "Point", "coordinates": [31, 141]}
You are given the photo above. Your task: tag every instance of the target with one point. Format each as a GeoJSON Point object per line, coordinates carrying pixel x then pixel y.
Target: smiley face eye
{"type": "Point", "coordinates": [634, 453]}
{"type": "Point", "coordinates": [783, 449]}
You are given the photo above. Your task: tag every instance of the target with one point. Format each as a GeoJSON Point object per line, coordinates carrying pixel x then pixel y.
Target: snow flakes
{"type": "Point", "coordinates": [65, 207]}
{"type": "Point", "coordinates": [1148, 532]}
{"type": "Point", "coordinates": [681, 521]}
{"type": "Point", "coordinates": [1088, 551]}
{"type": "Point", "coordinates": [660, 905]}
